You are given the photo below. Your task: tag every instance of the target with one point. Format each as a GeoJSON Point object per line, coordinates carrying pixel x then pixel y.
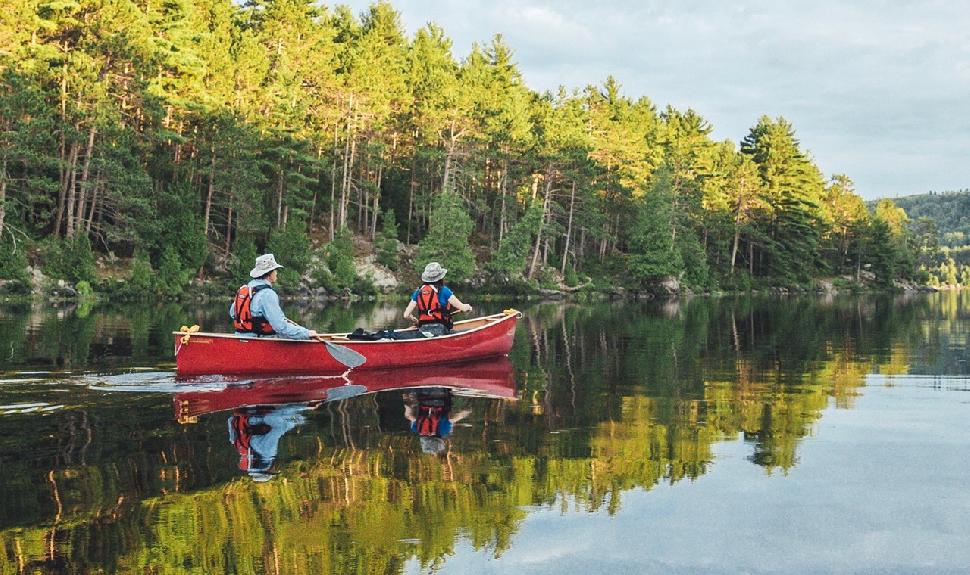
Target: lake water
{"type": "Point", "coordinates": [797, 435]}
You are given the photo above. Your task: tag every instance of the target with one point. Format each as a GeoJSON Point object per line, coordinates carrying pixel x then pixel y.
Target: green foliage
{"type": "Point", "coordinates": [84, 289]}
{"type": "Point", "coordinates": [697, 274]}
{"type": "Point", "coordinates": [949, 212]}
{"type": "Point", "coordinates": [512, 257]}
{"type": "Point", "coordinates": [571, 278]}
{"type": "Point", "coordinates": [171, 279]}
{"type": "Point", "coordinates": [291, 246]}
{"type": "Point", "coordinates": [338, 255]}
{"type": "Point", "coordinates": [141, 279]}
{"type": "Point", "coordinates": [547, 278]}
{"type": "Point", "coordinates": [447, 239]}
{"type": "Point", "coordinates": [653, 255]}
{"type": "Point", "coordinates": [243, 259]}
{"type": "Point", "coordinates": [180, 228]}
{"type": "Point", "coordinates": [13, 261]}
{"type": "Point", "coordinates": [69, 259]}
{"type": "Point", "coordinates": [237, 117]}
{"type": "Point", "coordinates": [387, 243]}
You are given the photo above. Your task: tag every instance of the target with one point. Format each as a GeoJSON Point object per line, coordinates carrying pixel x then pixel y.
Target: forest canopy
{"type": "Point", "coordinates": [188, 135]}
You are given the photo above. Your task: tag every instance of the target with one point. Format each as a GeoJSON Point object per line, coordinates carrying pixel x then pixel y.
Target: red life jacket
{"type": "Point", "coordinates": [244, 320]}
{"type": "Point", "coordinates": [429, 307]}
{"type": "Point", "coordinates": [242, 435]}
{"type": "Point", "coordinates": [426, 423]}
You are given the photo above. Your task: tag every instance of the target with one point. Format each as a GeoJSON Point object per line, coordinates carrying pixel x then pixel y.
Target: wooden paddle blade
{"type": "Point", "coordinates": [345, 355]}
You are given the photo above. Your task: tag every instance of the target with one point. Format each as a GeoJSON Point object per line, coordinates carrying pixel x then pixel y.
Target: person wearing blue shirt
{"type": "Point", "coordinates": [434, 302]}
{"type": "Point", "coordinates": [264, 304]}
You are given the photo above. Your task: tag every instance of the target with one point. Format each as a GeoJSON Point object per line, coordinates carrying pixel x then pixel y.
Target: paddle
{"type": "Point", "coordinates": [342, 354]}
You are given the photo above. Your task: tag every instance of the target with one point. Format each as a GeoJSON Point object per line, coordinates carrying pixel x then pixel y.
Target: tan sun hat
{"type": "Point", "coordinates": [264, 264]}
{"type": "Point", "coordinates": [433, 272]}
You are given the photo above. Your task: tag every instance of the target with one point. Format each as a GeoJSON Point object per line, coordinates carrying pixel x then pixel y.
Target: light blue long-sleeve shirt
{"type": "Point", "coordinates": [263, 447]}
{"type": "Point", "coordinates": [266, 304]}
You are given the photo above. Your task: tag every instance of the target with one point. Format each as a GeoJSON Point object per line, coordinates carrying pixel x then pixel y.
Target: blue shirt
{"type": "Point", "coordinates": [266, 303]}
{"type": "Point", "coordinates": [263, 447]}
{"type": "Point", "coordinates": [444, 294]}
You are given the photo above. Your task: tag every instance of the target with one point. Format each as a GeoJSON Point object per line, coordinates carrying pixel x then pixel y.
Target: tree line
{"type": "Point", "coordinates": [189, 135]}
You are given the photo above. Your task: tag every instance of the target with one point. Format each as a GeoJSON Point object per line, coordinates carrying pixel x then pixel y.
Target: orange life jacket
{"type": "Point", "coordinates": [429, 307]}
{"type": "Point", "coordinates": [242, 435]}
{"type": "Point", "coordinates": [244, 320]}
{"type": "Point", "coordinates": [426, 423]}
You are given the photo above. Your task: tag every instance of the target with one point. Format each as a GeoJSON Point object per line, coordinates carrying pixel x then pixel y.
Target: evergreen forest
{"type": "Point", "coordinates": [149, 146]}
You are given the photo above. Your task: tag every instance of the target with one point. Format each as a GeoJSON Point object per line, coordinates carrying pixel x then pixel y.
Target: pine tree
{"type": "Point", "coordinates": [447, 239]}
{"type": "Point", "coordinates": [653, 255]}
{"type": "Point", "coordinates": [387, 246]}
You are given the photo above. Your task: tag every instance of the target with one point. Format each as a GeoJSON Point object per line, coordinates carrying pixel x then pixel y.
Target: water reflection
{"type": "Point", "coordinates": [615, 400]}
{"type": "Point", "coordinates": [263, 410]}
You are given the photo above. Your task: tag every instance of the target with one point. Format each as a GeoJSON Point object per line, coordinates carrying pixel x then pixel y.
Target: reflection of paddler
{"type": "Point", "coordinates": [255, 432]}
{"type": "Point", "coordinates": [429, 411]}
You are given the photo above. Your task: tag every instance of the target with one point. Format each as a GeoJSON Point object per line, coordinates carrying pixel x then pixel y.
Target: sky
{"type": "Point", "coordinates": [878, 90]}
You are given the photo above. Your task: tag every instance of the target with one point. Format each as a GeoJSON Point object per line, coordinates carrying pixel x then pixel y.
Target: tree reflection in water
{"type": "Point", "coordinates": [612, 397]}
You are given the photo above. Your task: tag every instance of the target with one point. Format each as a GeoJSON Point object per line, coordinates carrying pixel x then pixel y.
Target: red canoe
{"type": "Point", "coordinates": [199, 353]}
{"type": "Point", "coordinates": [490, 378]}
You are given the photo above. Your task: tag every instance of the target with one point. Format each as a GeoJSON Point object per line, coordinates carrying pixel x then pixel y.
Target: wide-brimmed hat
{"type": "Point", "coordinates": [264, 264]}
{"type": "Point", "coordinates": [433, 272]}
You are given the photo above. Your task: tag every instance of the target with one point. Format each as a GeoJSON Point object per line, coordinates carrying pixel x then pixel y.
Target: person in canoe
{"type": "Point", "coordinates": [256, 309]}
{"type": "Point", "coordinates": [435, 303]}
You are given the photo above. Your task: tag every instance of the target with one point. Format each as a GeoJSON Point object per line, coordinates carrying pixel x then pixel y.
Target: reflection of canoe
{"type": "Point", "coordinates": [227, 354]}
{"type": "Point", "coordinates": [492, 378]}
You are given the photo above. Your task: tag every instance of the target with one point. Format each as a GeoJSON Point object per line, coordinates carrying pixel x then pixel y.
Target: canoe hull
{"type": "Point", "coordinates": [227, 354]}
{"type": "Point", "coordinates": [489, 378]}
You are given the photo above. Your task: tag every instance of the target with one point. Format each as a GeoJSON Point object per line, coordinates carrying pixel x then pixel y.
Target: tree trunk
{"type": "Point", "coordinates": [501, 220]}
{"type": "Point", "coordinates": [316, 188]}
{"type": "Point", "coordinates": [333, 183]}
{"type": "Point", "coordinates": [349, 148]}
{"type": "Point", "coordinates": [63, 197]}
{"type": "Point", "coordinates": [3, 194]}
{"type": "Point", "coordinates": [414, 184]}
{"type": "Point", "coordinates": [377, 200]}
{"type": "Point", "coordinates": [569, 229]}
{"type": "Point", "coordinates": [447, 172]}
{"type": "Point", "coordinates": [734, 249]}
{"type": "Point", "coordinates": [279, 198]}
{"type": "Point", "coordinates": [208, 196]}
{"type": "Point", "coordinates": [94, 202]}
{"type": "Point", "coordinates": [542, 221]}
{"type": "Point", "coordinates": [229, 225]}
{"type": "Point", "coordinates": [77, 222]}
{"type": "Point", "coordinates": [750, 258]}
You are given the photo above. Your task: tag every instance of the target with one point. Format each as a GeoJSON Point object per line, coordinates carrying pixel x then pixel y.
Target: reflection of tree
{"type": "Point", "coordinates": [614, 397]}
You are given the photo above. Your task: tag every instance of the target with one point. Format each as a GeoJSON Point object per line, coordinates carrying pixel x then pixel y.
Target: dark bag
{"type": "Point", "coordinates": [360, 335]}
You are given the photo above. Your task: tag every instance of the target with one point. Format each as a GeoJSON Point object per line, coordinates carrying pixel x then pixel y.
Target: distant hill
{"type": "Point", "coordinates": [950, 211]}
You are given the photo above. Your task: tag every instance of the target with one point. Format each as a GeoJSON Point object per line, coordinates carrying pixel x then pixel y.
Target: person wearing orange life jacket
{"type": "Point", "coordinates": [256, 307]}
{"type": "Point", "coordinates": [434, 301]}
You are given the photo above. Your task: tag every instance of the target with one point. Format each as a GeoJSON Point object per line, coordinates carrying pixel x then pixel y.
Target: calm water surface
{"type": "Point", "coordinates": [802, 435]}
